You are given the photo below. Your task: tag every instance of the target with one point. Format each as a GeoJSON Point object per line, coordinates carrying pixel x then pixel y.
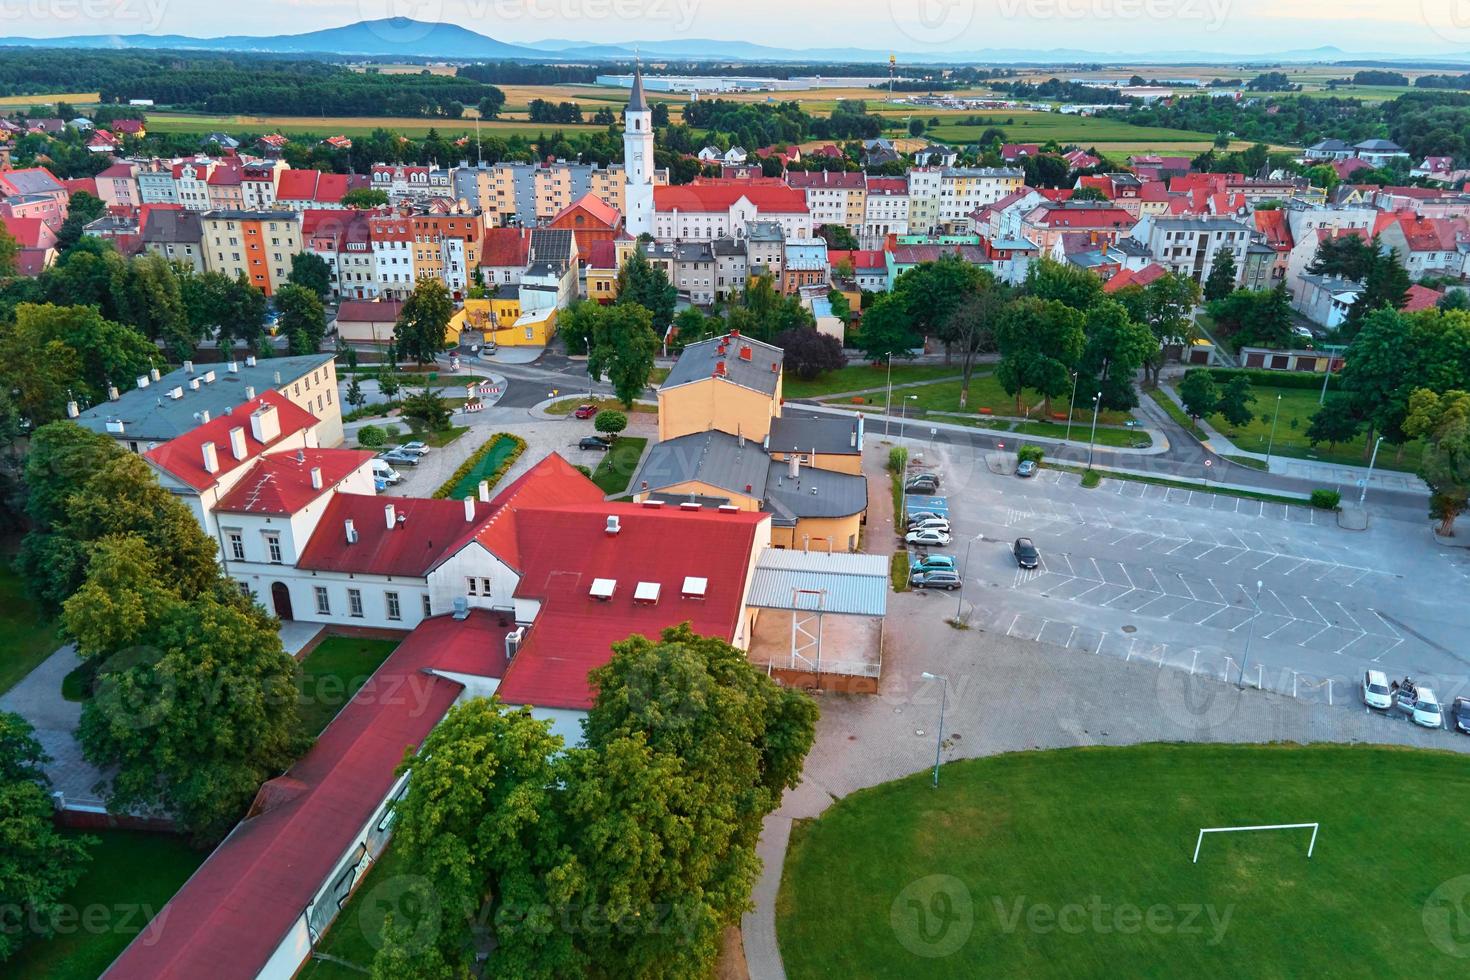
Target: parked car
{"type": "Point", "coordinates": [925, 483]}
{"type": "Point", "coordinates": [417, 448]}
{"type": "Point", "coordinates": [933, 563]}
{"type": "Point", "coordinates": [939, 579]}
{"type": "Point", "coordinates": [1026, 554]}
{"type": "Point", "coordinates": [398, 457]}
{"type": "Point", "coordinates": [928, 536]}
{"type": "Point", "coordinates": [1460, 715]}
{"type": "Point", "coordinates": [595, 442]}
{"type": "Point", "coordinates": [935, 523]}
{"type": "Point", "coordinates": [1026, 468]}
{"type": "Point", "coordinates": [1426, 709]}
{"type": "Point", "coordinates": [386, 473]}
{"type": "Point", "coordinates": [585, 411]}
{"type": "Point", "coordinates": [926, 515]}
{"type": "Point", "coordinates": [380, 485]}
{"type": "Point", "coordinates": [1375, 690]}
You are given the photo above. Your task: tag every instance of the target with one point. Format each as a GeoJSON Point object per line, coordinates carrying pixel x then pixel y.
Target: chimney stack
{"type": "Point", "coordinates": [112, 394]}
{"type": "Point", "coordinates": [153, 373]}
{"type": "Point", "coordinates": [469, 510]}
{"type": "Point", "coordinates": [390, 516]}
{"type": "Point", "coordinates": [316, 477]}
{"type": "Point", "coordinates": [485, 491]}
{"type": "Point", "coordinates": [142, 381]}
{"type": "Point", "coordinates": [233, 367]}
{"type": "Point", "coordinates": [614, 525]}
{"type": "Point", "coordinates": [265, 424]}
{"type": "Point", "coordinates": [249, 393]}
{"type": "Point", "coordinates": [250, 360]}
{"type": "Point", "coordinates": [211, 458]}
{"type": "Point", "coordinates": [793, 466]}
{"type": "Point", "coordinates": [237, 442]}
{"type": "Point", "coordinates": [188, 367]}
{"type": "Point", "coordinates": [351, 530]}
{"type": "Point", "coordinates": [71, 410]}
{"type": "Point", "coordinates": [203, 416]}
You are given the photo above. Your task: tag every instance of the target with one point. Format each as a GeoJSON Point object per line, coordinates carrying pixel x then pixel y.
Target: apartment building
{"type": "Point", "coordinates": [258, 244]}
{"type": "Point", "coordinates": [963, 189]}
{"type": "Point", "coordinates": [1187, 246]}
{"type": "Point", "coordinates": [447, 247]}
{"type": "Point", "coordinates": [886, 210]}
{"type": "Point", "coordinates": [838, 199]}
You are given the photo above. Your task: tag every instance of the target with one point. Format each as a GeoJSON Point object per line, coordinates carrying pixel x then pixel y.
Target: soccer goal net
{"type": "Point", "coordinates": [1236, 830]}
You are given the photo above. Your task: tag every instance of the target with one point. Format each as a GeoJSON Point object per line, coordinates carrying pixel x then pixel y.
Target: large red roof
{"type": "Point", "coordinates": [184, 457]}
{"type": "Point", "coordinates": [1129, 277]}
{"type": "Point", "coordinates": [425, 530]}
{"type": "Point", "coordinates": [510, 247]}
{"type": "Point", "coordinates": [1274, 226]}
{"type": "Point", "coordinates": [714, 197]}
{"type": "Point", "coordinates": [574, 632]}
{"type": "Point", "coordinates": [550, 483]}
{"type": "Point", "coordinates": [280, 483]}
{"type": "Point", "coordinates": [236, 908]}
{"type": "Point", "coordinates": [595, 206]}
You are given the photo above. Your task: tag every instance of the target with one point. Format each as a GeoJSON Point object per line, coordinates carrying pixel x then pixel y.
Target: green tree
{"type": "Point", "coordinates": [227, 309]}
{"type": "Point", "coordinates": [886, 331]}
{"type": "Point", "coordinates": [1256, 317]}
{"type": "Point", "coordinates": [126, 594]}
{"type": "Point", "coordinates": [1385, 285]}
{"type": "Point", "coordinates": [1235, 401]}
{"type": "Point", "coordinates": [932, 291]}
{"type": "Point", "coordinates": [1443, 422]}
{"type": "Point", "coordinates": [354, 396]}
{"type": "Point", "coordinates": [809, 354]}
{"type": "Point", "coordinates": [640, 284]}
{"type": "Point", "coordinates": [303, 318]}
{"type": "Point", "coordinates": [1335, 422]}
{"type": "Point", "coordinates": [971, 327]}
{"type": "Point", "coordinates": [427, 410]}
{"type": "Point", "coordinates": [1200, 394]}
{"type": "Point", "coordinates": [1117, 346]}
{"type": "Point", "coordinates": [423, 322]}
{"type": "Point", "coordinates": [82, 208]}
{"type": "Point", "coordinates": [9, 250]}
{"type": "Point", "coordinates": [389, 385]}
{"type": "Point", "coordinates": [148, 296]}
{"type": "Point", "coordinates": [38, 864]}
{"type": "Point", "coordinates": [365, 198]}
{"type": "Point", "coordinates": [623, 348]}
{"type": "Point", "coordinates": [610, 423]}
{"type": "Point", "coordinates": [1087, 194]}
{"type": "Point", "coordinates": [1221, 280]}
{"type": "Point", "coordinates": [1040, 340]}
{"type": "Point", "coordinates": [1065, 283]}
{"type": "Point", "coordinates": [1168, 309]}
{"type": "Point", "coordinates": [311, 271]}
{"type": "Point", "coordinates": [195, 721]}
{"type": "Point", "coordinates": [574, 325]}
{"type": "Point", "coordinates": [916, 128]}
{"type": "Point", "coordinates": [50, 354]}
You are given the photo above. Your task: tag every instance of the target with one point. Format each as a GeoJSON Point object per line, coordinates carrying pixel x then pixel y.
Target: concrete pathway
{"type": "Point", "coordinates": [37, 699]}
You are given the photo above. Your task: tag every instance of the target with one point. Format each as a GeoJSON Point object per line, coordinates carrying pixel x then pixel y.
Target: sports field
{"type": "Point", "coordinates": [1076, 863]}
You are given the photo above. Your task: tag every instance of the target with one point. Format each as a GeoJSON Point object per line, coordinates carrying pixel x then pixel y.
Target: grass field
{"type": "Point", "coordinates": [179, 122]}
{"type": "Point", "coordinates": [131, 876]}
{"type": "Point", "coordinates": [618, 464]}
{"type": "Point", "coordinates": [333, 673]}
{"type": "Point", "coordinates": [1298, 405]}
{"type": "Point", "coordinates": [1076, 863]}
{"type": "Point", "coordinates": [986, 392]}
{"type": "Point", "coordinates": [864, 377]}
{"type": "Point", "coordinates": [569, 405]}
{"type": "Point", "coordinates": [29, 638]}
{"type": "Point", "coordinates": [75, 98]}
{"type": "Point", "coordinates": [353, 936]}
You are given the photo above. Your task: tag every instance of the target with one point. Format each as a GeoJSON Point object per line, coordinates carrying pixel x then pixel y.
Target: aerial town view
{"type": "Point", "coordinates": [662, 490]}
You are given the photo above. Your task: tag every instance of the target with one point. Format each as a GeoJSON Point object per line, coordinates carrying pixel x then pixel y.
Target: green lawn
{"type": "Point", "coordinates": [29, 637]}
{"type": "Point", "coordinates": [501, 447]}
{"type": "Point", "coordinates": [986, 393]}
{"type": "Point", "coordinates": [1298, 405]}
{"type": "Point", "coordinates": [131, 876]}
{"type": "Point", "coordinates": [352, 936]}
{"type": "Point", "coordinates": [332, 674]}
{"type": "Point", "coordinates": [619, 464]}
{"type": "Point", "coordinates": [1038, 127]}
{"type": "Point", "coordinates": [569, 405]}
{"type": "Point", "coordinates": [1177, 414]}
{"type": "Point", "coordinates": [865, 377]}
{"type": "Point", "coordinates": [1077, 863]}
{"type": "Point", "coordinates": [443, 437]}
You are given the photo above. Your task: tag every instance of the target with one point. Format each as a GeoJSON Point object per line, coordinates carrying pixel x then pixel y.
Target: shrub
{"type": "Point", "coordinates": [898, 458]}
{"type": "Point", "coordinates": [584, 470]}
{"type": "Point", "coordinates": [610, 423]}
{"type": "Point", "coordinates": [392, 432]}
{"type": "Point", "coordinates": [898, 570]}
{"type": "Point", "coordinates": [1032, 453]}
{"type": "Point", "coordinates": [1271, 379]}
{"type": "Point", "coordinates": [1091, 478]}
{"type": "Point", "coordinates": [469, 465]}
{"type": "Point", "coordinates": [1326, 499]}
{"type": "Point", "coordinates": [371, 437]}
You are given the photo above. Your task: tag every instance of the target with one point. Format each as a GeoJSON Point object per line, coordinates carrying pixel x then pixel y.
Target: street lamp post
{"type": "Point", "coordinates": [1250, 636]}
{"type": "Point", "coordinates": [1271, 443]}
{"type": "Point", "coordinates": [939, 735]}
{"type": "Point", "coordinates": [1092, 439]}
{"type": "Point", "coordinates": [888, 399]}
{"type": "Point", "coordinates": [959, 606]}
{"type": "Point", "coordinates": [1364, 494]}
{"type": "Point", "coordinates": [1072, 405]}
{"type": "Point", "coordinates": [903, 416]}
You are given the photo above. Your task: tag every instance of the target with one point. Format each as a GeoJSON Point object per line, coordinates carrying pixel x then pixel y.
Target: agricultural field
{"type": "Point", "coordinates": [180, 122]}
{"type": "Point", "coordinates": [25, 101]}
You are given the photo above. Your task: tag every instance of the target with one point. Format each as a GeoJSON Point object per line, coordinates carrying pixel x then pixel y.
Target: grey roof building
{"type": "Point", "coordinates": [825, 435]}
{"type": "Point", "coordinates": [703, 360]}
{"type": "Point", "coordinates": [168, 406]}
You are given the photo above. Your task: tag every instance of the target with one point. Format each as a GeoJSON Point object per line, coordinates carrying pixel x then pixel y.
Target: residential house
{"type": "Point", "coordinates": [1326, 300]}
{"type": "Point", "coordinates": [35, 242]}
{"type": "Point", "coordinates": [765, 249]}
{"type": "Point", "coordinates": [1426, 246]}
{"type": "Point", "coordinates": [33, 192]}
{"type": "Point", "coordinates": [1275, 232]}
{"type": "Point", "coordinates": [447, 247]}
{"type": "Point", "coordinates": [805, 264]}
{"type": "Point", "coordinates": [173, 233]}
{"type": "Point", "coordinates": [1380, 153]}
{"type": "Point", "coordinates": [1327, 150]}
{"type": "Point", "coordinates": [589, 219]}
{"type": "Point", "coordinates": [904, 257]}
{"type": "Point", "coordinates": [191, 180]}
{"type": "Point", "coordinates": [504, 255]}
{"type": "Point", "coordinates": [730, 383]}
{"type": "Point", "coordinates": [117, 186]}
{"type": "Point", "coordinates": [258, 244]}
{"type": "Point", "coordinates": [869, 269]}
{"type": "Point", "coordinates": [704, 212]}
{"type": "Point", "coordinates": [833, 198]}
{"type": "Point", "coordinates": [409, 184]}
{"type": "Point", "coordinates": [695, 272]}
{"type": "Point", "coordinates": [887, 210]}
{"type": "Point", "coordinates": [1046, 223]}
{"type": "Point", "coordinates": [367, 322]}
{"type": "Point", "coordinates": [392, 241]}
{"type": "Point", "coordinates": [732, 267]}
{"type": "Point", "coordinates": [964, 189]}
{"type": "Point", "coordinates": [1188, 246]}
{"type": "Point", "coordinates": [1016, 152]}
{"type": "Point", "coordinates": [343, 240]}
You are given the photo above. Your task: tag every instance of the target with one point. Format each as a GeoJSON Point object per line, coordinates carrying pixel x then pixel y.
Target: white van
{"type": "Point", "coordinates": [382, 471]}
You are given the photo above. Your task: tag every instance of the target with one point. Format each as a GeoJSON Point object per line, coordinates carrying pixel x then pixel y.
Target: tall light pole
{"type": "Point", "coordinates": [1072, 405]}
{"type": "Point", "coordinates": [1096, 404]}
{"type": "Point", "coordinates": [959, 606]}
{"type": "Point", "coordinates": [1245, 658]}
{"type": "Point", "coordinates": [904, 414]}
{"type": "Point", "coordinates": [1271, 444]}
{"type": "Point", "coordinates": [939, 735]}
{"type": "Point", "coordinates": [888, 399]}
{"type": "Point", "coordinates": [1364, 495]}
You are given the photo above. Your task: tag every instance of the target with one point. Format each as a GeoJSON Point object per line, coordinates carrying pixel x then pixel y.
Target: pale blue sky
{"type": "Point", "coordinates": [1125, 26]}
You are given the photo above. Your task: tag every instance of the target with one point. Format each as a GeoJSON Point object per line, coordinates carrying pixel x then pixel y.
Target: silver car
{"type": "Point", "coordinates": [938, 579]}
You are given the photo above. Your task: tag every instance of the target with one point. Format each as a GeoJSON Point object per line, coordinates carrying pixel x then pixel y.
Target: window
{"type": "Point", "coordinates": [395, 612]}
{"type": "Point", "coordinates": [428, 606]}
{"type": "Point", "coordinates": [273, 546]}
{"type": "Point", "coordinates": [354, 603]}
{"type": "Point", "coordinates": [473, 586]}
{"type": "Point", "coordinates": [323, 603]}
{"type": "Point", "coordinates": [237, 543]}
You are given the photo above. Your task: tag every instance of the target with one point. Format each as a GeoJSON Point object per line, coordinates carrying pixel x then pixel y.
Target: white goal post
{"type": "Point", "coordinates": [1274, 826]}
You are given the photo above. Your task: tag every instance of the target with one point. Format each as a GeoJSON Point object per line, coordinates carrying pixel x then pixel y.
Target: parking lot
{"type": "Point", "coordinates": [1192, 580]}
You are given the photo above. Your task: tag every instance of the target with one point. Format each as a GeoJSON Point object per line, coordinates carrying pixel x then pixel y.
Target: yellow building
{"type": "Point", "coordinates": [729, 383]}
{"type": "Point", "coordinates": [499, 318]}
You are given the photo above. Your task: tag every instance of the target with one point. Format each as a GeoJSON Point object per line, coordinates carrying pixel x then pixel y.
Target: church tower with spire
{"type": "Point", "coordinates": [638, 161]}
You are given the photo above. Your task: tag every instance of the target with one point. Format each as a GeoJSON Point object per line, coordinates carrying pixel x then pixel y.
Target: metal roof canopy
{"type": "Point", "coordinates": [815, 581]}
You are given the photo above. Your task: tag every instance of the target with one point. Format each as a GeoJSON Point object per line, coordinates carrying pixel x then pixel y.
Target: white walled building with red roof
{"type": "Point", "coordinates": [702, 212]}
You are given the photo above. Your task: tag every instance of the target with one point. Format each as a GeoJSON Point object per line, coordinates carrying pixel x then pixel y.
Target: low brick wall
{"type": "Point", "coordinates": [834, 683]}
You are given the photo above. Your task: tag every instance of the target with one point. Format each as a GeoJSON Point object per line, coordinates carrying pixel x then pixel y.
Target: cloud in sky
{"type": "Point", "coordinates": [1124, 26]}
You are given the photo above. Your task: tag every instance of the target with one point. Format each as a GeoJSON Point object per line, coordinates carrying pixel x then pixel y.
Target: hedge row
{"type": "Point", "coordinates": [468, 466]}
{"type": "Point", "coordinates": [1273, 379]}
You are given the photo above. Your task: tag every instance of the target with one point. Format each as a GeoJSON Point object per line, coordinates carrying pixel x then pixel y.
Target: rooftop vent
{"type": "Point", "coordinates": [654, 504]}
{"type": "Point", "coordinates": [689, 505]}
{"type": "Point", "coordinates": [484, 491]}
{"type": "Point", "coordinates": [233, 366]}
{"type": "Point", "coordinates": [142, 381]}
{"type": "Point", "coordinates": [729, 509]}
{"type": "Point", "coordinates": [112, 394]}
{"type": "Point", "coordinates": [153, 373]}
{"type": "Point", "coordinates": [469, 510]}
{"type": "Point", "coordinates": [72, 411]}
{"type": "Point", "coordinates": [614, 525]}
{"type": "Point", "coordinates": [390, 516]}
{"type": "Point", "coordinates": [237, 442]}
{"type": "Point", "coordinates": [188, 367]}
{"type": "Point", "coordinates": [265, 424]}
{"type": "Point", "coordinates": [316, 477]}
{"type": "Point", "coordinates": [646, 592]}
{"type": "Point", "coordinates": [211, 458]}
{"type": "Point", "coordinates": [209, 377]}
{"type": "Point", "coordinates": [193, 384]}
{"type": "Point", "coordinates": [176, 392]}
{"type": "Point", "coordinates": [250, 360]}
{"type": "Point", "coordinates": [351, 530]}
{"type": "Point", "coordinates": [603, 588]}
{"type": "Point", "coordinates": [694, 588]}
{"type": "Point", "coordinates": [250, 393]}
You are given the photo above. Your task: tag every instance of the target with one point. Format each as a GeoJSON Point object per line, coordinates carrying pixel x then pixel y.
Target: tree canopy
{"type": "Point", "coordinates": [424, 321]}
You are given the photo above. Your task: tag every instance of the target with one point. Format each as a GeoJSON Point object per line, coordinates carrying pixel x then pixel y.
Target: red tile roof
{"type": "Point", "coordinates": [826, 179]}
{"type": "Point", "coordinates": [1129, 277]}
{"type": "Point", "coordinates": [184, 457]}
{"type": "Point", "coordinates": [1014, 151]}
{"type": "Point", "coordinates": [280, 483]}
{"type": "Point", "coordinates": [594, 206]}
{"type": "Point", "coordinates": [1422, 298]}
{"type": "Point", "coordinates": [131, 127]}
{"type": "Point", "coordinates": [1273, 225]}
{"type": "Point", "coordinates": [888, 185]}
{"type": "Point", "coordinates": [860, 258]}
{"type": "Point", "coordinates": [74, 184]}
{"type": "Point", "coordinates": [236, 908]}
{"type": "Point", "coordinates": [1153, 191]}
{"type": "Point", "coordinates": [297, 185]}
{"type": "Point", "coordinates": [426, 531]}
{"type": "Point", "coordinates": [706, 197]}
{"type": "Point", "coordinates": [551, 482]}
{"type": "Point", "coordinates": [509, 247]}
{"type": "Point", "coordinates": [602, 254]}
{"type": "Point", "coordinates": [1051, 216]}
{"type": "Point", "coordinates": [1057, 194]}
{"type": "Point", "coordinates": [574, 633]}
{"type": "Point", "coordinates": [1346, 168]}
{"type": "Point", "coordinates": [29, 232]}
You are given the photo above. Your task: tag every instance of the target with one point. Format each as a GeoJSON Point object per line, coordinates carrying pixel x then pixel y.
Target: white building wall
{"type": "Point", "coordinates": [450, 580]}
